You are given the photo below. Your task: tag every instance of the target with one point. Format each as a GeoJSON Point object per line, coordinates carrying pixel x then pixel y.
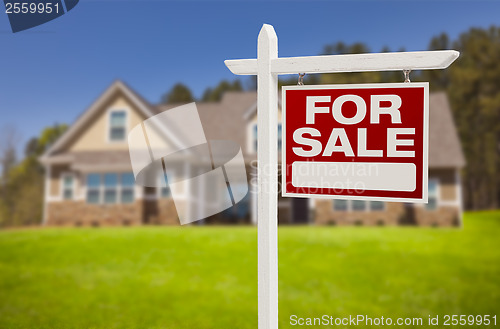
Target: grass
{"type": "Point", "coordinates": [206, 277]}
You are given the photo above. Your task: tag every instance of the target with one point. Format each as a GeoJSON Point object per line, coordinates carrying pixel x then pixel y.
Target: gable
{"type": "Point", "coordinates": [91, 131]}
{"type": "Point", "coordinates": [95, 136]}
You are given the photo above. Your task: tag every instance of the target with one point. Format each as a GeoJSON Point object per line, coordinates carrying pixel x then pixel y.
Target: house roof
{"type": "Point", "coordinates": [445, 149]}
{"type": "Point", "coordinates": [224, 119]}
{"type": "Point", "coordinates": [253, 108]}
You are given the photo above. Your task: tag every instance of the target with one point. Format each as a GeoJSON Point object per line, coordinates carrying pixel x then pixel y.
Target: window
{"type": "Point", "coordinates": [432, 195]}
{"type": "Point", "coordinates": [255, 137]}
{"type": "Point", "coordinates": [358, 205]}
{"type": "Point", "coordinates": [68, 181]}
{"type": "Point", "coordinates": [117, 125]}
{"type": "Point", "coordinates": [377, 205]}
{"type": "Point", "coordinates": [93, 188]}
{"type": "Point", "coordinates": [340, 205]}
{"type": "Point", "coordinates": [127, 188]}
{"type": "Point", "coordinates": [110, 188]}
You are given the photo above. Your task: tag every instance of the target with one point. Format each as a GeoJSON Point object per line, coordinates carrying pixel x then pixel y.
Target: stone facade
{"type": "Point", "coordinates": [394, 214]}
{"type": "Point", "coordinates": [325, 215]}
{"type": "Point", "coordinates": [160, 212]}
{"type": "Point", "coordinates": [80, 213]}
{"type": "Point", "coordinates": [443, 216]}
{"type": "Point", "coordinates": [447, 212]}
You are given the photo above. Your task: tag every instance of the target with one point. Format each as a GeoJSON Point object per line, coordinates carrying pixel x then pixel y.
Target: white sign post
{"type": "Point", "coordinates": [267, 67]}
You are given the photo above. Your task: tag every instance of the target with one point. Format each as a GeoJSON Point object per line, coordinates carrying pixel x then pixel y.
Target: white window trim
{"type": "Point", "coordinates": [251, 149]}
{"type": "Point", "coordinates": [250, 141]}
{"type": "Point", "coordinates": [46, 193]}
{"type": "Point", "coordinates": [108, 123]}
{"type": "Point", "coordinates": [438, 195]}
{"type": "Point", "coordinates": [62, 188]}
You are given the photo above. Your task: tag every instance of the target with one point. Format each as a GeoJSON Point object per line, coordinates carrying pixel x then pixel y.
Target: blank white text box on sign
{"type": "Point", "coordinates": [355, 175]}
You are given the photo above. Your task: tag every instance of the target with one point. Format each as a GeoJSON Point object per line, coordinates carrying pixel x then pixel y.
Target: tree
{"type": "Point", "coordinates": [215, 94]}
{"type": "Point", "coordinates": [21, 202]}
{"type": "Point", "coordinates": [178, 94]}
{"type": "Point", "coordinates": [472, 84]}
{"type": "Point", "coordinates": [49, 136]}
{"type": "Point", "coordinates": [341, 48]}
{"type": "Point", "coordinates": [440, 79]}
{"type": "Point", "coordinates": [8, 161]}
{"type": "Point", "coordinates": [9, 141]}
{"type": "Point", "coordinates": [473, 87]}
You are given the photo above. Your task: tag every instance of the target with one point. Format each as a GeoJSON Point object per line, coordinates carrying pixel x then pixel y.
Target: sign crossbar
{"type": "Point", "coordinates": [267, 67]}
{"type": "Point", "coordinates": [418, 60]}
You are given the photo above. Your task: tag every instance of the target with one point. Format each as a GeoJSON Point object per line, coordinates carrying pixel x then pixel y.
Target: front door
{"type": "Point", "coordinates": [300, 210]}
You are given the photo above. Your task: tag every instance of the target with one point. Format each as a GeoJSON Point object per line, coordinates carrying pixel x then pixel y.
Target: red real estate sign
{"type": "Point", "coordinates": [367, 141]}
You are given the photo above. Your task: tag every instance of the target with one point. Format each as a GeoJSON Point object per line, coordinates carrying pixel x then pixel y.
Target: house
{"type": "Point", "coordinates": [89, 180]}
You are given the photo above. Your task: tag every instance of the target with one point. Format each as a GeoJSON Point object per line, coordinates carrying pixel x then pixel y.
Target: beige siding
{"type": "Point", "coordinates": [95, 136]}
{"type": "Point", "coordinates": [447, 183]}
{"type": "Point", "coordinates": [55, 179]}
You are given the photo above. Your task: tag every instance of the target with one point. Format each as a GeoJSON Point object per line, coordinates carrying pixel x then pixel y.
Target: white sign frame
{"type": "Point", "coordinates": [425, 173]}
{"type": "Point", "coordinates": [267, 67]}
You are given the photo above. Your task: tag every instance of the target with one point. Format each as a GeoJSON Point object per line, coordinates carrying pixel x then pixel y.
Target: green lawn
{"type": "Point", "coordinates": [206, 277]}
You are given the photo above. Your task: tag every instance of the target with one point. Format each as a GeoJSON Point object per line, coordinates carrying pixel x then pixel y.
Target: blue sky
{"type": "Point", "coordinates": [51, 73]}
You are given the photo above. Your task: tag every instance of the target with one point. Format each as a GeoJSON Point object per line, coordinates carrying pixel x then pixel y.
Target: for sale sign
{"type": "Point", "coordinates": [366, 141]}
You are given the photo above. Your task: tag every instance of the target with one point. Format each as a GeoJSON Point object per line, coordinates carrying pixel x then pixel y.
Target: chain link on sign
{"type": "Point", "coordinates": [407, 75]}
{"type": "Point", "coordinates": [301, 79]}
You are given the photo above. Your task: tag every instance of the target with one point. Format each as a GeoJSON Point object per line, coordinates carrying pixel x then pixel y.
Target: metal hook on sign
{"type": "Point", "coordinates": [301, 79]}
{"type": "Point", "coordinates": [407, 75]}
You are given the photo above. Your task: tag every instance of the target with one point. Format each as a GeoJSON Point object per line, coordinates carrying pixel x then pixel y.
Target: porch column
{"type": "Point", "coordinates": [48, 171]}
